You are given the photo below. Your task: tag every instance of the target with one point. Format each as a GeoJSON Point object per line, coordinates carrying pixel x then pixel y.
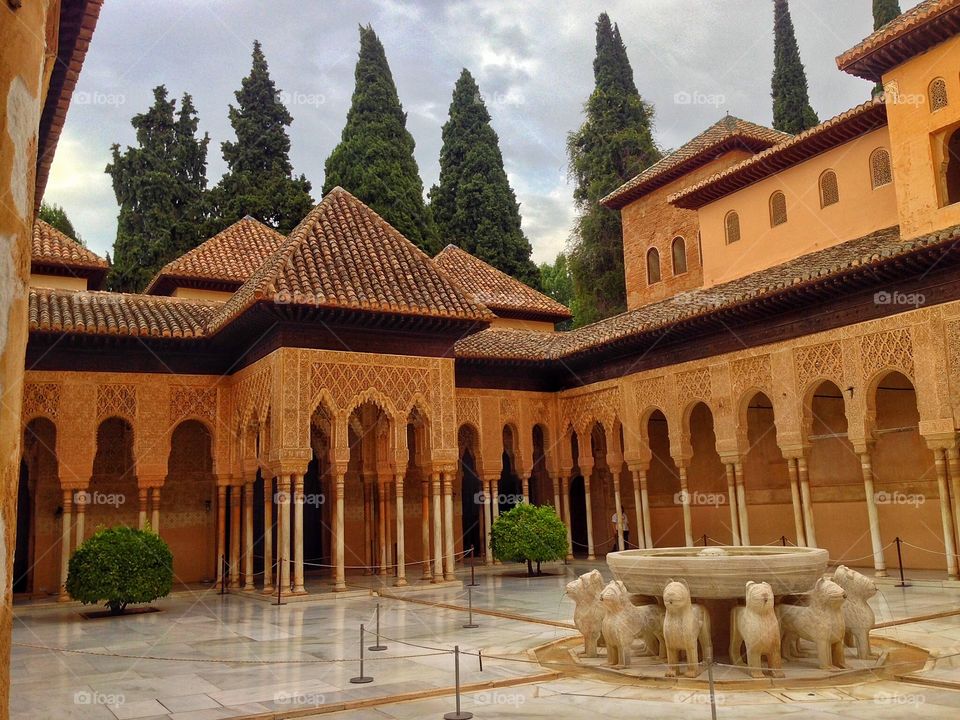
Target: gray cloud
{"type": "Point", "coordinates": [532, 60]}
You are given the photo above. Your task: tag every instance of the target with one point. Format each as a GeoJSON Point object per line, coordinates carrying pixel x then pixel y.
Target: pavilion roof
{"type": "Point", "coordinates": [55, 252]}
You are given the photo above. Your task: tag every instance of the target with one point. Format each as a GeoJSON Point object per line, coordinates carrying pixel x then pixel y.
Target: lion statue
{"type": "Point", "coordinates": [684, 624]}
{"type": "Point", "coordinates": [858, 616]}
{"type": "Point", "coordinates": [588, 615]}
{"type": "Point", "coordinates": [623, 621]}
{"type": "Point", "coordinates": [756, 626]}
{"type": "Point", "coordinates": [820, 621]}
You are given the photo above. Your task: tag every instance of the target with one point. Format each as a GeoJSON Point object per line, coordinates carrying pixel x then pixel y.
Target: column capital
{"type": "Point", "coordinates": [151, 481]}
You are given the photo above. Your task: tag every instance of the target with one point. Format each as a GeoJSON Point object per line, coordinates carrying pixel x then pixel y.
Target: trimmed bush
{"type": "Point", "coordinates": [119, 566]}
{"type": "Point", "coordinates": [530, 534]}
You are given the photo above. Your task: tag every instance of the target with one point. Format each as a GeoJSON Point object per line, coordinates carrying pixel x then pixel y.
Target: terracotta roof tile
{"type": "Point", "coordinates": [913, 32]}
{"type": "Point", "coordinates": [344, 255]}
{"type": "Point", "coordinates": [503, 294]}
{"type": "Point", "coordinates": [105, 313]}
{"type": "Point", "coordinates": [52, 248]}
{"type": "Point", "coordinates": [728, 133]}
{"type": "Point", "coordinates": [829, 134]}
{"type": "Point", "coordinates": [876, 247]}
{"type": "Point", "coordinates": [229, 258]}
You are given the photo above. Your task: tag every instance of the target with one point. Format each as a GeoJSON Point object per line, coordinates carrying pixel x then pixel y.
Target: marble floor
{"type": "Point", "coordinates": [212, 656]}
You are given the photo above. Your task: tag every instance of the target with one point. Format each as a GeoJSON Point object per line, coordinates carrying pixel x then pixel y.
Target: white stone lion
{"type": "Point", "coordinates": [588, 615]}
{"type": "Point", "coordinates": [757, 627]}
{"type": "Point", "coordinates": [858, 616]}
{"type": "Point", "coordinates": [684, 624]}
{"type": "Point", "coordinates": [819, 621]}
{"type": "Point", "coordinates": [623, 621]}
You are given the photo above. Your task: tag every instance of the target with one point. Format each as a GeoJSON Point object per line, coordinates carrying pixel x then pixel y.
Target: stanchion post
{"type": "Point", "coordinates": [361, 678]}
{"type": "Point", "coordinates": [470, 624]}
{"type": "Point", "coordinates": [459, 714]}
{"type": "Point", "coordinates": [480, 658]}
{"type": "Point", "coordinates": [902, 583]}
{"type": "Point", "coordinates": [704, 539]}
{"type": "Point", "coordinates": [378, 647]}
{"type": "Point", "coordinates": [783, 540]}
{"type": "Point", "coordinates": [279, 584]}
{"type": "Point", "coordinates": [713, 698]}
{"type": "Point", "coordinates": [473, 565]}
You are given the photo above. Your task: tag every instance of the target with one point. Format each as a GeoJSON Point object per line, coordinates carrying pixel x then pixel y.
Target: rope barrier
{"type": "Point", "coordinates": [376, 566]}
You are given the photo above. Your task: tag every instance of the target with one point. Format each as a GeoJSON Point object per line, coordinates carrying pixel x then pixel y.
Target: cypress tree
{"type": "Point", "coordinates": [612, 145]}
{"type": "Point", "coordinates": [374, 159]}
{"type": "Point", "coordinates": [791, 104]}
{"type": "Point", "coordinates": [884, 11]}
{"type": "Point", "coordinates": [259, 180]}
{"type": "Point", "coordinates": [56, 217]}
{"type": "Point", "coordinates": [473, 204]}
{"type": "Point", "coordinates": [557, 283]}
{"type": "Point", "coordinates": [159, 186]}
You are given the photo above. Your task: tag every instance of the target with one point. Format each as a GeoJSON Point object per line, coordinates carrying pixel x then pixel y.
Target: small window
{"type": "Point", "coordinates": [732, 227]}
{"type": "Point", "coordinates": [778, 209]}
{"type": "Point", "coordinates": [937, 92]}
{"type": "Point", "coordinates": [653, 266]}
{"type": "Point", "coordinates": [679, 250]}
{"type": "Point", "coordinates": [880, 172]}
{"type": "Point", "coordinates": [829, 192]}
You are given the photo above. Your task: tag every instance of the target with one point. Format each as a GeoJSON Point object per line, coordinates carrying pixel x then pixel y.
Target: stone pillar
{"type": "Point", "coordinates": [742, 503]}
{"type": "Point", "coordinates": [382, 526]}
{"type": "Point", "coordinates": [221, 532]}
{"type": "Point", "coordinates": [866, 467]}
{"type": "Point", "coordinates": [142, 498]}
{"type": "Point", "coordinates": [953, 459]}
{"type": "Point", "coordinates": [368, 516]}
{"type": "Point", "coordinates": [248, 535]}
{"type": "Point", "coordinates": [401, 551]}
{"type": "Point", "coordinates": [267, 534]}
{"type": "Point", "coordinates": [155, 509]}
{"type": "Point", "coordinates": [732, 498]}
{"type": "Point", "coordinates": [234, 536]}
{"type": "Point", "coordinates": [298, 500]}
{"type": "Point", "coordinates": [795, 499]}
{"type": "Point", "coordinates": [487, 522]}
{"type": "Point", "coordinates": [591, 555]}
{"type": "Point", "coordinates": [340, 582]}
{"type": "Point", "coordinates": [565, 488]}
{"type": "Point", "coordinates": [283, 531]}
{"type": "Point", "coordinates": [640, 531]}
{"type": "Point", "coordinates": [389, 519]}
{"type": "Point", "coordinates": [619, 509]}
{"type": "Point", "coordinates": [555, 481]}
{"type": "Point", "coordinates": [65, 532]}
{"type": "Point", "coordinates": [425, 529]}
{"type": "Point", "coordinates": [495, 506]}
{"type": "Point", "coordinates": [437, 529]}
{"type": "Point", "coordinates": [81, 520]}
{"type": "Point", "coordinates": [449, 561]}
{"type": "Point", "coordinates": [803, 473]}
{"type": "Point", "coordinates": [525, 485]}
{"type": "Point", "coordinates": [645, 501]}
{"type": "Point", "coordinates": [685, 501]}
{"type": "Point", "coordinates": [945, 513]}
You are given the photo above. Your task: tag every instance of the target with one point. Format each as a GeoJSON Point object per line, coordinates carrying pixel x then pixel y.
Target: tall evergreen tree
{"type": "Point", "coordinates": [884, 11]}
{"type": "Point", "coordinates": [791, 103]}
{"type": "Point", "coordinates": [374, 159]}
{"type": "Point", "coordinates": [259, 180]}
{"type": "Point", "coordinates": [159, 186]}
{"type": "Point", "coordinates": [55, 216]}
{"type": "Point", "coordinates": [556, 282]}
{"type": "Point", "coordinates": [473, 204]}
{"type": "Point", "coordinates": [613, 144]}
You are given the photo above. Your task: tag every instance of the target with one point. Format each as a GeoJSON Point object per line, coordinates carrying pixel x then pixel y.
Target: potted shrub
{"type": "Point", "coordinates": [530, 534]}
{"type": "Point", "coordinates": [119, 566]}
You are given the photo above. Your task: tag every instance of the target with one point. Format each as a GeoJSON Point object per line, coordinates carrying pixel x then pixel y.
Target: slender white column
{"type": "Point", "coordinates": [525, 485]}
{"type": "Point", "coordinates": [742, 504]}
{"type": "Point", "coordinates": [495, 507]}
{"type": "Point", "coordinates": [234, 536]}
{"type": "Point", "coordinates": [953, 459]}
{"type": "Point", "coordinates": [685, 500]}
{"type": "Point", "coordinates": [401, 552]}
{"type": "Point", "coordinates": [341, 577]}
{"type": "Point", "coordinates": [142, 498]}
{"type": "Point", "coordinates": [267, 534]}
{"type": "Point", "coordinates": [389, 519]}
{"type": "Point", "coordinates": [638, 511]}
{"type": "Point", "coordinates": [283, 531]}
{"type": "Point", "coordinates": [487, 522]}
{"type": "Point", "coordinates": [81, 522]}
{"type": "Point", "coordinates": [645, 501]}
{"type": "Point", "coordinates": [805, 498]}
{"type": "Point", "coordinates": [565, 483]}
{"type": "Point", "coordinates": [795, 499]}
{"type": "Point", "coordinates": [368, 519]}
{"type": "Point", "coordinates": [449, 558]}
{"type": "Point", "coordinates": [619, 509]}
{"type": "Point", "coordinates": [437, 530]}
{"type": "Point", "coordinates": [732, 499]}
{"type": "Point", "coordinates": [555, 481]}
{"type": "Point", "coordinates": [221, 532]}
{"type": "Point", "coordinates": [65, 531]}
{"type": "Point", "coordinates": [425, 529]}
{"type": "Point", "coordinates": [155, 510]}
{"type": "Point", "coordinates": [248, 535]}
{"type": "Point", "coordinates": [298, 500]}
{"type": "Point", "coordinates": [945, 514]}
{"type": "Point", "coordinates": [382, 526]}
{"type": "Point", "coordinates": [866, 466]}
{"type": "Point", "coordinates": [586, 495]}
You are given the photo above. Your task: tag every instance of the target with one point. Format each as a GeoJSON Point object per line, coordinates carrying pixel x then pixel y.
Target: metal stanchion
{"type": "Point", "coordinates": [459, 714]}
{"type": "Point", "coordinates": [470, 624]}
{"type": "Point", "coordinates": [902, 583]}
{"type": "Point", "coordinates": [783, 540]}
{"type": "Point", "coordinates": [473, 565]}
{"type": "Point", "coordinates": [223, 575]}
{"type": "Point", "coordinates": [378, 647]}
{"type": "Point", "coordinates": [704, 539]}
{"type": "Point", "coordinates": [713, 697]}
{"type": "Point", "coordinates": [361, 678]}
{"type": "Point", "coordinates": [280, 584]}
{"type": "Point", "coordinates": [480, 658]}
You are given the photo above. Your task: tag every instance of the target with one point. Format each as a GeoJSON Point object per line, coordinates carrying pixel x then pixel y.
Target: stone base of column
{"type": "Point", "coordinates": [301, 591]}
{"type": "Point", "coordinates": [340, 587]}
{"type": "Point", "coordinates": [400, 582]}
{"type": "Point", "coordinates": [882, 573]}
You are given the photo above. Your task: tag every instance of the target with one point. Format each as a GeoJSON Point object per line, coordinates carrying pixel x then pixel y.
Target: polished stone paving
{"type": "Point", "coordinates": [212, 656]}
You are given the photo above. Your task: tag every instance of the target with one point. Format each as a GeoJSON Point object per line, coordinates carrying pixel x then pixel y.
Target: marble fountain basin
{"type": "Point", "coordinates": [719, 572]}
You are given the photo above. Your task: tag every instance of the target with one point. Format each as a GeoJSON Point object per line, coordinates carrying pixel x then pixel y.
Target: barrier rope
{"type": "Point", "coordinates": [375, 566]}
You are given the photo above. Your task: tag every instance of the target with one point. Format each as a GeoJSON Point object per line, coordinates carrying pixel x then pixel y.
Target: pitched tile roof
{"type": "Point", "coordinates": [50, 247]}
{"type": "Point", "coordinates": [728, 133]}
{"type": "Point", "coordinates": [827, 135]}
{"type": "Point", "coordinates": [505, 295]}
{"type": "Point", "coordinates": [343, 255]}
{"type": "Point", "coordinates": [913, 32]}
{"type": "Point", "coordinates": [106, 313]}
{"type": "Point", "coordinates": [227, 259]}
{"type": "Point", "coordinates": [830, 263]}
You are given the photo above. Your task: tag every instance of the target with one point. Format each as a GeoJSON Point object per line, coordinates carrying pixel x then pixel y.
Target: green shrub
{"type": "Point", "coordinates": [118, 566]}
{"type": "Point", "coordinates": [530, 534]}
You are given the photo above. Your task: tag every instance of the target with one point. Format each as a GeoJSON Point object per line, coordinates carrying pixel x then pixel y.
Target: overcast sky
{"type": "Point", "coordinates": [694, 60]}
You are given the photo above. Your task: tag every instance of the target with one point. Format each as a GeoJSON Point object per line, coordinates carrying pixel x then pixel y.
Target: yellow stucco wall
{"type": "Point", "coordinates": [198, 294]}
{"type": "Point", "coordinates": [523, 324]}
{"type": "Point", "coordinates": [861, 210]}
{"type": "Point", "coordinates": [57, 282]}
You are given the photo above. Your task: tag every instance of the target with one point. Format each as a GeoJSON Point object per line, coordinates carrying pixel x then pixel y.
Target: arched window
{"type": "Point", "coordinates": [778, 209]}
{"type": "Point", "coordinates": [937, 92]}
{"type": "Point", "coordinates": [829, 192]}
{"type": "Point", "coordinates": [732, 226]}
{"type": "Point", "coordinates": [653, 266]}
{"type": "Point", "coordinates": [951, 168]}
{"type": "Point", "coordinates": [679, 251]}
{"type": "Point", "coordinates": [880, 172]}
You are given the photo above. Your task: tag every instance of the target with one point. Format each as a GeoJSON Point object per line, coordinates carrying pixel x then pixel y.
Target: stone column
{"type": "Point", "coordinates": [234, 536]}
{"type": "Point", "coordinates": [401, 551]}
{"type": "Point", "coordinates": [555, 481]}
{"type": "Point", "coordinates": [525, 485]}
{"type": "Point", "coordinates": [685, 501]}
{"type": "Point", "coordinates": [732, 498]}
{"type": "Point", "coordinates": [641, 532]}
{"type": "Point", "coordinates": [283, 531]}
{"type": "Point", "coordinates": [437, 529]}
{"type": "Point", "coordinates": [487, 522]}
{"type": "Point", "coordinates": [248, 535]}
{"type": "Point", "coordinates": [221, 532]}
{"type": "Point", "coordinates": [449, 562]}
{"type": "Point", "coordinates": [65, 532]}
{"type": "Point", "coordinates": [81, 521]}
{"type": "Point", "coordinates": [298, 500]}
{"type": "Point", "coordinates": [340, 583]}
{"type": "Point", "coordinates": [795, 499]}
{"type": "Point", "coordinates": [619, 509]}
{"type": "Point", "coordinates": [495, 506]}
{"type": "Point", "coordinates": [368, 516]}
{"type": "Point", "coordinates": [953, 459]}
{"type": "Point", "coordinates": [389, 519]}
{"type": "Point", "coordinates": [267, 534]}
{"type": "Point", "coordinates": [945, 513]}
{"type": "Point", "coordinates": [586, 495]}
{"type": "Point", "coordinates": [803, 473]}
{"type": "Point", "coordinates": [382, 527]}
{"type": "Point", "coordinates": [866, 467]}
{"type": "Point", "coordinates": [142, 498]}
{"type": "Point", "coordinates": [645, 501]}
{"type": "Point", "coordinates": [155, 509]}
{"type": "Point", "coordinates": [742, 503]}
{"type": "Point", "coordinates": [425, 529]}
